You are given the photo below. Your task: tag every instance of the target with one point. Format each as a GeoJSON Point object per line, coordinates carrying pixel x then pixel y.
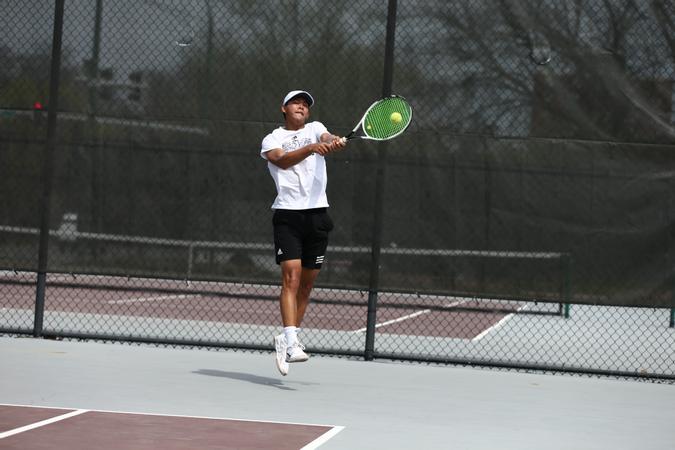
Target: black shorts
{"type": "Point", "coordinates": [301, 234]}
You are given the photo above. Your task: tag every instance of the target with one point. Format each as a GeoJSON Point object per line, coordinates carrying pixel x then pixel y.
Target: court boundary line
{"type": "Point", "coordinates": [184, 416]}
{"type": "Point", "coordinates": [498, 325]}
{"type": "Point", "coordinates": [409, 316]}
{"type": "Point", "coordinates": [397, 320]}
{"type": "Point", "coordinates": [151, 299]}
{"type": "Point", "coordinates": [41, 423]}
{"type": "Point", "coordinates": [328, 435]}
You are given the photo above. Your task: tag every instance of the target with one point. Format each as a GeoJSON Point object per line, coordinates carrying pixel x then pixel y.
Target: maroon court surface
{"type": "Point", "coordinates": [35, 428]}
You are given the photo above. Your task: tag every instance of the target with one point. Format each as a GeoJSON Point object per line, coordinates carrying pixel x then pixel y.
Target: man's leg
{"type": "Point", "coordinates": [290, 281]}
{"type": "Point", "coordinates": [314, 248]}
{"type": "Point", "coordinates": [293, 303]}
{"type": "Point", "coordinates": [297, 284]}
{"type": "Point", "coordinates": [296, 351]}
{"type": "Point", "coordinates": [307, 277]}
{"type": "Point", "coordinates": [291, 274]}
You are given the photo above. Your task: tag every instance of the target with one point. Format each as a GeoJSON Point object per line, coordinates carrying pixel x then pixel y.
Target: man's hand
{"type": "Point", "coordinates": [322, 148]}
{"type": "Point", "coordinates": [329, 143]}
{"type": "Point", "coordinates": [338, 143]}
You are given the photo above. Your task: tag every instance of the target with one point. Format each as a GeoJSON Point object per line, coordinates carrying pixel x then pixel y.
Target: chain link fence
{"type": "Point", "coordinates": [526, 218]}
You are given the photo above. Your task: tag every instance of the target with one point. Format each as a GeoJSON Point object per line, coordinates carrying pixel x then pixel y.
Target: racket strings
{"type": "Point", "coordinates": [381, 123]}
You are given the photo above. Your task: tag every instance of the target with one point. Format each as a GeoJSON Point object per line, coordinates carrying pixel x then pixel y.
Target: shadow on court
{"type": "Point", "coordinates": [250, 378]}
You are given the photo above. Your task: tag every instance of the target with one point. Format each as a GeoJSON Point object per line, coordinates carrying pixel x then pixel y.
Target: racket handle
{"type": "Point", "coordinates": [349, 137]}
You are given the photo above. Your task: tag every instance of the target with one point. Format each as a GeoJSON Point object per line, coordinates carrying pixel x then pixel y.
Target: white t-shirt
{"type": "Point", "coordinates": [302, 186]}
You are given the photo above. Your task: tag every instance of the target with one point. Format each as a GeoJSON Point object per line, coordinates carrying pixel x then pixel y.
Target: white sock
{"type": "Point", "coordinates": [291, 335]}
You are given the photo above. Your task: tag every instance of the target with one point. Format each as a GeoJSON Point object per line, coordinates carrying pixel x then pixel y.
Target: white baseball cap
{"type": "Point", "coordinates": [291, 95]}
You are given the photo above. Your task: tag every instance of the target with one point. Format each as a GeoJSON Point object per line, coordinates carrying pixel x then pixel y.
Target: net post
{"type": "Point", "coordinates": [48, 168]}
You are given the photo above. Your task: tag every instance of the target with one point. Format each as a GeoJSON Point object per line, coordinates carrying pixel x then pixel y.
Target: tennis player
{"type": "Point", "coordinates": [295, 155]}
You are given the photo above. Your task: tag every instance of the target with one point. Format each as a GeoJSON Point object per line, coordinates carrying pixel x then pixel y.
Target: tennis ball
{"type": "Point", "coordinates": [368, 127]}
{"type": "Point", "coordinates": [396, 117]}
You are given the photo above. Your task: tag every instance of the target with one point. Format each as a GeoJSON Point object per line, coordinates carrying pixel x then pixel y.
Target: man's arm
{"type": "Point", "coordinates": [284, 160]}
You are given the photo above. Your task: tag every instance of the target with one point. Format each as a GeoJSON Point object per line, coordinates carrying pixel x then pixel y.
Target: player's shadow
{"type": "Point", "coordinates": [255, 379]}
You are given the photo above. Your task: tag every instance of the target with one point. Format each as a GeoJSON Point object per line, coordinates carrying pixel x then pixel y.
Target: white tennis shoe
{"type": "Point", "coordinates": [280, 347]}
{"type": "Point", "coordinates": [295, 353]}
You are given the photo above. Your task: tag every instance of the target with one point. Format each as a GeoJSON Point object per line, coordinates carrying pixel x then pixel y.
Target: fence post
{"type": "Point", "coordinates": [379, 189]}
{"type": "Point", "coordinates": [567, 281]}
{"type": "Point", "coordinates": [191, 260]}
{"type": "Point", "coordinates": [671, 323]}
{"type": "Point", "coordinates": [48, 167]}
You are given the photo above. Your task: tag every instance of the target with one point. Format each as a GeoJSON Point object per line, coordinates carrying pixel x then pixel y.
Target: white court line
{"type": "Point", "coordinates": [42, 423]}
{"type": "Point", "coordinates": [151, 299]}
{"type": "Point", "coordinates": [408, 316]}
{"type": "Point", "coordinates": [498, 324]}
{"type": "Point", "coordinates": [316, 443]}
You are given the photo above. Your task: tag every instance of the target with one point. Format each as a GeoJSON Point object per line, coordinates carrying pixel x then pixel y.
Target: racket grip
{"type": "Point", "coordinates": [347, 138]}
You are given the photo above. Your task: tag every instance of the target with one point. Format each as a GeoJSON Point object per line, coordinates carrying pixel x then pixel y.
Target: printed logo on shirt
{"type": "Point", "coordinates": [280, 252]}
{"type": "Point", "coordinates": [295, 143]}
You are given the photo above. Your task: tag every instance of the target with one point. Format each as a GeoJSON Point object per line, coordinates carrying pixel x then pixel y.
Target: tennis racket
{"type": "Point", "coordinates": [385, 119]}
